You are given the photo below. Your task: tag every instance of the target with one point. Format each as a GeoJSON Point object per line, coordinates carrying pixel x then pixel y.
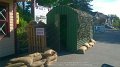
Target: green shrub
{"type": "Point", "coordinates": [21, 34]}
{"type": "Point", "coordinates": [24, 16]}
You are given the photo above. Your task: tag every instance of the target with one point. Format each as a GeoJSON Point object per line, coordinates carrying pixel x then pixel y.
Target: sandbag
{"type": "Point", "coordinates": [24, 66]}
{"type": "Point", "coordinates": [15, 65]}
{"type": "Point", "coordinates": [26, 60]}
{"type": "Point", "coordinates": [91, 44]}
{"type": "Point", "coordinates": [36, 56]}
{"type": "Point", "coordinates": [51, 62]}
{"type": "Point", "coordinates": [82, 49]}
{"type": "Point", "coordinates": [87, 45]}
{"type": "Point", "coordinates": [49, 52]}
{"type": "Point", "coordinates": [38, 63]}
{"type": "Point", "coordinates": [42, 66]}
{"type": "Point", "coordinates": [92, 40]}
{"type": "Point", "coordinates": [51, 59]}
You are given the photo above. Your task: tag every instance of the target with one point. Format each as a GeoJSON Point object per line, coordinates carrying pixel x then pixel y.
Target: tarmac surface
{"type": "Point", "coordinates": [105, 53]}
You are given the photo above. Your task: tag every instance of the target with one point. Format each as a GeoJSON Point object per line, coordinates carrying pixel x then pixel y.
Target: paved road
{"type": "Point", "coordinates": [106, 51]}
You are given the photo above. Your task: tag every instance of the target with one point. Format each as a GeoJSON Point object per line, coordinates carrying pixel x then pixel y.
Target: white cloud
{"type": "Point", "coordinates": [107, 6]}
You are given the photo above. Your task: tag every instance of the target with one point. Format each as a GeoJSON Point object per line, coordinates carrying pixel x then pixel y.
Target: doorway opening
{"type": "Point", "coordinates": [63, 32]}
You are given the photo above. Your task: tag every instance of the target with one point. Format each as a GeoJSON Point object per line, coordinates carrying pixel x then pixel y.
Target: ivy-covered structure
{"type": "Point", "coordinates": [68, 28]}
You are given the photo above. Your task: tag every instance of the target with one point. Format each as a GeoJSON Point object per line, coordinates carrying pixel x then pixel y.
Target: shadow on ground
{"type": "Point", "coordinates": [106, 65]}
{"type": "Point", "coordinates": [4, 60]}
{"type": "Point", "coordinates": [64, 52]}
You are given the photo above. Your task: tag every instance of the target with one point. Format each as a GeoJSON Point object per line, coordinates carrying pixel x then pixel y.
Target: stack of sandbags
{"type": "Point", "coordinates": [86, 46]}
{"type": "Point", "coordinates": [34, 60]}
{"type": "Point", "coordinates": [51, 56]}
{"type": "Point", "coordinates": [31, 60]}
{"type": "Point", "coordinates": [92, 42]}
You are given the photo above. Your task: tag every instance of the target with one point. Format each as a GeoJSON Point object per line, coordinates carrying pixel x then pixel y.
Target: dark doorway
{"type": "Point", "coordinates": [63, 32]}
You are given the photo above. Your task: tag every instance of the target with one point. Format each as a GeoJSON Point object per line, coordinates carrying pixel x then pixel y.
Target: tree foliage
{"type": "Point", "coordinates": [116, 21]}
{"type": "Point", "coordinates": [48, 3]}
{"type": "Point", "coordinates": [24, 11]}
{"type": "Point", "coordinates": [24, 18]}
{"type": "Point", "coordinates": [77, 4]}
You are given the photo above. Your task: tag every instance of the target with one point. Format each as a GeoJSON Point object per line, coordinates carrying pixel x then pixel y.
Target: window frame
{"type": "Point", "coordinates": [7, 21]}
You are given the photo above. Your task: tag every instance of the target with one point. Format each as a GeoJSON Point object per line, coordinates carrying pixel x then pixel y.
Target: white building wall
{"type": "Point", "coordinates": [40, 13]}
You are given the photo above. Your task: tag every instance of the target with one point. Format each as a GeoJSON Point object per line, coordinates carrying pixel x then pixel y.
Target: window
{"type": "Point", "coordinates": [4, 20]}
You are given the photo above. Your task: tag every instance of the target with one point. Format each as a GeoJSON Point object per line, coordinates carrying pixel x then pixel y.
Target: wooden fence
{"type": "Point", "coordinates": [36, 37]}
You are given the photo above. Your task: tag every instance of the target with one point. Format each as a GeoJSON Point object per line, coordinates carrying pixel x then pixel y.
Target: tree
{"type": "Point", "coordinates": [24, 11]}
{"type": "Point", "coordinates": [23, 4]}
{"type": "Point", "coordinates": [77, 4]}
{"type": "Point", "coordinates": [28, 6]}
{"type": "Point", "coordinates": [116, 21]}
{"type": "Point", "coordinates": [47, 3]}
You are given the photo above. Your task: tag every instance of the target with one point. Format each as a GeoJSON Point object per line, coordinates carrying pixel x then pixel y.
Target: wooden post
{"type": "Point", "coordinates": [33, 8]}
{"type": "Point", "coordinates": [15, 26]}
{"type": "Point", "coordinates": [36, 37]}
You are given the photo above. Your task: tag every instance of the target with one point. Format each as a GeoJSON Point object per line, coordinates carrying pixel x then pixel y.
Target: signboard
{"type": "Point", "coordinates": [39, 31]}
{"type": "Point", "coordinates": [17, 18]}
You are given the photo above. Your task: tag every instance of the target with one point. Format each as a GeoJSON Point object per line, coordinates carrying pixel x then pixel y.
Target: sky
{"type": "Point", "coordinates": [107, 6]}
